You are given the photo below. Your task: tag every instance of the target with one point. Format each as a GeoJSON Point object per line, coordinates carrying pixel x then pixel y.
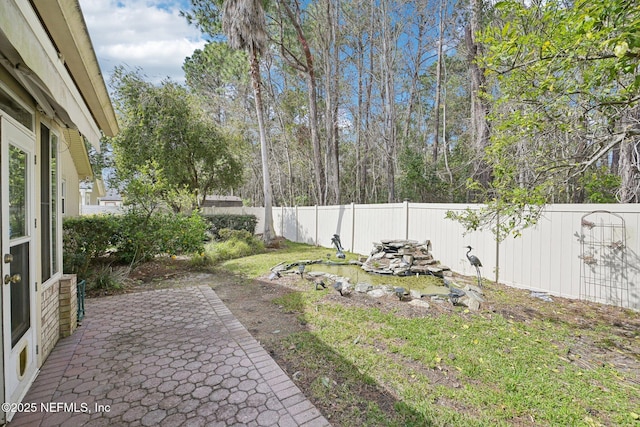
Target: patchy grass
{"type": "Point", "coordinates": [508, 364]}
{"type": "Point", "coordinates": [257, 265]}
{"type": "Point", "coordinates": [459, 369]}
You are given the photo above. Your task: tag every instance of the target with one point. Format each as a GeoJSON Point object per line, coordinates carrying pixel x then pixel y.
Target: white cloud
{"type": "Point", "coordinates": [149, 34]}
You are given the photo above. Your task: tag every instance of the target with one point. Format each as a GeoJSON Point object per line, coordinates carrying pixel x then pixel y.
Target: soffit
{"type": "Point", "coordinates": [27, 52]}
{"type": "Point", "coordinates": [65, 24]}
{"type": "Point", "coordinates": [78, 152]}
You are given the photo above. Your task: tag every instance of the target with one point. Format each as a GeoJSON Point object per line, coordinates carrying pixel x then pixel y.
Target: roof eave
{"type": "Point", "coordinates": [67, 28]}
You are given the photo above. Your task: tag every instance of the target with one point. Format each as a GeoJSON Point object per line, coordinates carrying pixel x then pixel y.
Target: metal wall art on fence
{"type": "Point", "coordinates": [604, 272]}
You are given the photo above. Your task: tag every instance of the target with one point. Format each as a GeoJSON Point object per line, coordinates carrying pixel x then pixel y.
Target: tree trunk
{"type": "Point", "coordinates": [310, 77]}
{"type": "Point", "coordinates": [445, 141]}
{"type": "Point", "coordinates": [315, 139]}
{"type": "Point", "coordinates": [388, 100]}
{"type": "Point", "coordinates": [268, 233]}
{"type": "Point", "coordinates": [479, 107]}
{"type": "Point", "coordinates": [628, 169]}
{"type": "Point", "coordinates": [629, 162]}
{"type": "Point", "coordinates": [331, 73]}
{"type": "Point", "coordinates": [336, 104]}
{"type": "Point", "coordinates": [436, 133]}
{"type": "Point", "coordinates": [360, 152]}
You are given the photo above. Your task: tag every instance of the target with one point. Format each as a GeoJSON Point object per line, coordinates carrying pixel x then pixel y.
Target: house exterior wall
{"type": "Point", "coordinates": [31, 41]}
{"type": "Point", "coordinates": [94, 198]}
{"type": "Point", "coordinates": [14, 87]}
{"type": "Point", "coordinates": [72, 183]}
{"type": "Point", "coordinates": [68, 305]}
{"type": "Point", "coordinates": [49, 72]}
{"type": "Point", "coordinates": [48, 298]}
{"type": "Point", "coordinates": [50, 318]}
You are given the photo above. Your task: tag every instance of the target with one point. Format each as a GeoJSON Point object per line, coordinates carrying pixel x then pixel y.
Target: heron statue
{"type": "Point", "coordinates": [475, 261]}
{"type": "Point", "coordinates": [335, 240]}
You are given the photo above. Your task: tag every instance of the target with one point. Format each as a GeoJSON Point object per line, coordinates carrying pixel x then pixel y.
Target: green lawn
{"type": "Point", "coordinates": [457, 368]}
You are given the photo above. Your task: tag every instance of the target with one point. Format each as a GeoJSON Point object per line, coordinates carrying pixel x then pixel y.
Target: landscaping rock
{"type": "Point", "coordinates": [363, 287]}
{"type": "Point", "coordinates": [419, 303]}
{"type": "Point", "coordinates": [404, 257]}
{"type": "Point", "coordinates": [416, 294]}
{"type": "Point", "coordinates": [472, 303]}
{"type": "Point", "coordinates": [474, 288]}
{"type": "Point", "coordinates": [377, 293]}
{"type": "Point", "coordinates": [314, 274]}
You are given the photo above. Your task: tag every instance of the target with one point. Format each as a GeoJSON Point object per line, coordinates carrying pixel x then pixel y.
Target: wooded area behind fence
{"type": "Point", "coordinates": [583, 251]}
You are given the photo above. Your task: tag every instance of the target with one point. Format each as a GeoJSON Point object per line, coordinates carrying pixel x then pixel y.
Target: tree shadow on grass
{"type": "Point", "coordinates": [345, 395]}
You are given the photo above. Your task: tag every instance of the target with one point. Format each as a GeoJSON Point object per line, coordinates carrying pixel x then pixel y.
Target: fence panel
{"type": "Point", "coordinates": [373, 223]}
{"type": "Point", "coordinates": [336, 220]}
{"type": "Point", "coordinates": [286, 222]}
{"type": "Point", "coordinates": [448, 238]}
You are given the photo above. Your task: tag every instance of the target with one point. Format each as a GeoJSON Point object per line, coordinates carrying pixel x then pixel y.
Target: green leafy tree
{"type": "Point", "coordinates": [167, 143]}
{"type": "Point", "coordinates": [564, 101]}
{"type": "Point", "coordinates": [219, 75]}
{"type": "Point", "coordinates": [148, 190]}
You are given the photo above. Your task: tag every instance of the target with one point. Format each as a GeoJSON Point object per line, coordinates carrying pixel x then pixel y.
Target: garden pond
{"type": "Point", "coordinates": [425, 284]}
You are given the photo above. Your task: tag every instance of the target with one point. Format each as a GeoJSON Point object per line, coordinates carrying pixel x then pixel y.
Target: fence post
{"type": "Point", "coordinates": [296, 222]}
{"type": "Point", "coordinates": [353, 227]}
{"type": "Point", "coordinates": [497, 237]}
{"type": "Point", "coordinates": [405, 207]}
{"type": "Point", "coordinates": [316, 238]}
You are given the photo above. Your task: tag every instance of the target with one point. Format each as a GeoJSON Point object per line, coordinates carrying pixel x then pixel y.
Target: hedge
{"type": "Point", "coordinates": [232, 222]}
{"type": "Point", "coordinates": [128, 238]}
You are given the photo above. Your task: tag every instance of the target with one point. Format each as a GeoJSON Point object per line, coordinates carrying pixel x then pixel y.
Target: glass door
{"type": "Point", "coordinates": [18, 289]}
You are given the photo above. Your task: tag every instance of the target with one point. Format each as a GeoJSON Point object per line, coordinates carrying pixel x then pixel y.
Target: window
{"type": "Point", "coordinates": [15, 110]}
{"type": "Point", "coordinates": [63, 195]}
{"type": "Point", "coordinates": [48, 202]}
{"type": "Point", "coordinates": [55, 222]}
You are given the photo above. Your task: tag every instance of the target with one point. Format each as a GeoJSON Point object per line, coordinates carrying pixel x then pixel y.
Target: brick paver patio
{"type": "Point", "coordinates": [173, 357]}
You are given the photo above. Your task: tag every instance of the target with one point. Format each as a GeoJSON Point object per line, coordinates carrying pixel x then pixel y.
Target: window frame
{"type": "Point", "coordinates": [50, 212]}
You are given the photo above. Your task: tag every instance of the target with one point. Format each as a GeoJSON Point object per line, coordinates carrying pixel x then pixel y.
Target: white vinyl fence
{"type": "Point", "coordinates": [577, 251]}
{"type": "Point", "coordinates": [98, 210]}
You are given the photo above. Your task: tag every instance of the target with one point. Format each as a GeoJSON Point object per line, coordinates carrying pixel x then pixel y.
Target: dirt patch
{"type": "Point", "coordinates": [254, 303]}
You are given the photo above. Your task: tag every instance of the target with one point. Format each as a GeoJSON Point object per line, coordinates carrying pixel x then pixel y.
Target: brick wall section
{"type": "Point", "coordinates": [68, 305]}
{"type": "Point", "coordinates": [50, 318]}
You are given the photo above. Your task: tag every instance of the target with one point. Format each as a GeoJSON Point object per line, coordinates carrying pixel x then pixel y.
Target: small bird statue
{"type": "Point", "coordinates": [274, 275]}
{"type": "Point", "coordinates": [400, 292]}
{"type": "Point", "coordinates": [301, 269]}
{"type": "Point", "coordinates": [475, 261]}
{"type": "Point", "coordinates": [455, 294]}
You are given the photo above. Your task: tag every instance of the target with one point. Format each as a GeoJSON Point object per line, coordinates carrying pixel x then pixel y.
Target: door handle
{"type": "Point", "coordinates": [8, 258]}
{"type": "Point", "coordinates": [16, 278]}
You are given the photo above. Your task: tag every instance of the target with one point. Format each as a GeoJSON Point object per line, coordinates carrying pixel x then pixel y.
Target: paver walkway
{"type": "Point", "coordinates": [172, 357]}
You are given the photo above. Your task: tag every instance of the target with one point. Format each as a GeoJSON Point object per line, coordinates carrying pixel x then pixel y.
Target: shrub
{"type": "Point", "coordinates": [232, 222]}
{"type": "Point", "coordinates": [130, 238]}
{"type": "Point", "coordinates": [86, 239]}
{"type": "Point", "coordinates": [234, 244]}
{"type": "Point", "coordinates": [104, 277]}
{"type": "Point", "coordinates": [142, 236]}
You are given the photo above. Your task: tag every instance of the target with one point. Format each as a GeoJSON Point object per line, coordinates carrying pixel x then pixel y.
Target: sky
{"type": "Point", "coordinates": [146, 34]}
